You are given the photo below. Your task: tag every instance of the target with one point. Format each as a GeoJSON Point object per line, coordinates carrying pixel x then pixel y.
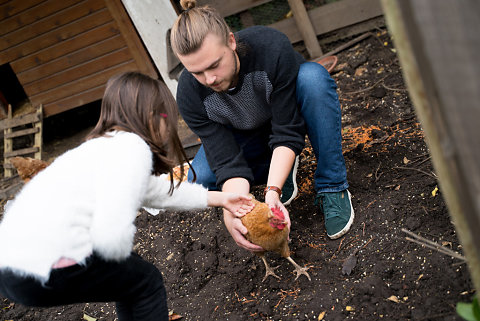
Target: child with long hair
{"type": "Point", "coordinates": [70, 230]}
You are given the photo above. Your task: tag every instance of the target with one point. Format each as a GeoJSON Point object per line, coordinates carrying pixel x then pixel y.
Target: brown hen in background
{"type": "Point", "coordinates": [27, 167]}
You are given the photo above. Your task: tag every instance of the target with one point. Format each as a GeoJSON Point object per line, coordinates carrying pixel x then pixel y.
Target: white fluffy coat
{"type": "Point", "coordinates": [86, 201]}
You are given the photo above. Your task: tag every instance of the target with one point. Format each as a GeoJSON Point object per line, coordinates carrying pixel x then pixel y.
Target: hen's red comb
{"type": "Point", "coordinates": [278, 213]}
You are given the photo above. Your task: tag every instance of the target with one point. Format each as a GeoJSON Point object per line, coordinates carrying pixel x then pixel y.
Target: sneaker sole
{"type": "Point", "coordinates": [349, 224]}
{"type": "Point", "coordinates": [294, 179]}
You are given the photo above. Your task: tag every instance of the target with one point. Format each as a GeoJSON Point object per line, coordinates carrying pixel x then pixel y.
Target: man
{"type": "Point", "coordinates": [250, 97]}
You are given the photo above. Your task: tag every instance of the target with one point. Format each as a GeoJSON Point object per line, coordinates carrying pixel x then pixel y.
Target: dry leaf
{"type": "Point", "coordinates": [88, 318]}
{"type": "Point", "coordinates": [321, 315]}
{"type": "Point", "coordinates": [447, 243]}
{"type": "Point", "coordinates": [393, 298]}
{"type": "Point", "coordinates": [349, 264]}
{"type": "Point", "coordinates": [173, 316]}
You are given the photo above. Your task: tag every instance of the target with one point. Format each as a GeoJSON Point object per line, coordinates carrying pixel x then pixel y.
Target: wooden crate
{"type": "Point", "coordinates": [13, 128]}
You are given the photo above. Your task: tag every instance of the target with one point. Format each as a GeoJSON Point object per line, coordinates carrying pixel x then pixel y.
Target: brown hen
{"type": "Point", "coordinates": [268, 228]}
{"type": "Point", "coordinates": [27, 167]}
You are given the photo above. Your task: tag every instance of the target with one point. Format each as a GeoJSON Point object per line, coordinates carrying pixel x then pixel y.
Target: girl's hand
{"type": "Point", "coordinates": [237, 204]}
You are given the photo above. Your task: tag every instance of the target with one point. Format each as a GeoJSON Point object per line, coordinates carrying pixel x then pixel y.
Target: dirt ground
{"type": "Point", "coordinates": [394, 188]}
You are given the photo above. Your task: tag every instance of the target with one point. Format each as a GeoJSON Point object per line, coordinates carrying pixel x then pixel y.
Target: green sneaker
{"type": "Point", "coordinates": [338, 211]}
{"type": "Point", "coordinates": [290, 189]}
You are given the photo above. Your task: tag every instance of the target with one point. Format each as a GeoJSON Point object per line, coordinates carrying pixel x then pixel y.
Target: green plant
{"type": "Point", "coordinates": [469, 311]}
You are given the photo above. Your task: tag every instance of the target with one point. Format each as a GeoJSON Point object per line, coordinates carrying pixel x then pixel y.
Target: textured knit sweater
{"type": "Point", "coordinates": [86, 201]}
{"type": "Point", "coordinates": [264, 97]}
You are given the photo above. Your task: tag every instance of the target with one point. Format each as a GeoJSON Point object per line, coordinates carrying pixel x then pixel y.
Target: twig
{"type": "Point", "coordinates": [376, 172]}
{"type": "Point", "coordinates": [365, 89]}
{"type": "Point", "coordinates": [432, 245]}
{"type": "Point", "coordinates": [393, 89]}
{"type": "Point", "coordinates": [433, 175]}
{"type": "Point", "coordinates": [346, 45]}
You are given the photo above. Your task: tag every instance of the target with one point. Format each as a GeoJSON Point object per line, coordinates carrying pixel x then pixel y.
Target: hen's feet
{"type": "Point", "coordinates": [299, 270]}
{"type": "Point", "coordinates": [268, 270]}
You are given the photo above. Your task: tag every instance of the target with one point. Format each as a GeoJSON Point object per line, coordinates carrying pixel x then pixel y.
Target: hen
{"type": "Point", "coordinates": [27, 167]}
{"type": "Point", "coordinates": [268, 228]}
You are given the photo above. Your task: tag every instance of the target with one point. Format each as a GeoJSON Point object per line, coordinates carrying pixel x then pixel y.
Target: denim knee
{"type": "Point", "coordinates": [313, 78]}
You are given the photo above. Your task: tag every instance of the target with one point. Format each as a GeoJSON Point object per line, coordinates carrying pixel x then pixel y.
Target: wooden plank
{"type": "Point", "coordinates": [22, 132]}
{"type": "Point", "coordinates": [52, 22]}
{"type": "Point", "coordinates": [18, 121]}
{"type": "Point", "coordinates": [437, 43]}
{"type": "Point", "coordinates": [75, 58]}
{"type": "Point", "coordinates": [305, 27]}
{"type": "Point", "coordinates": [65, 47]}
{"type": "Point", "coordinates": [23, 151]}
{"type": "Point", "coordinates": [131, 37]}
{"type": "Point", "coordinates": [12, 189]}
{"type": "Point", "coordinates": [31, 15]}
{"type": "Point", "coordinates": [58, 35]}
{"type": "Point", "coordinates": [15, 7]}
{"type": "Point", "coordinates": [80, 85]}
{"type": "Point", "coordinates": [78, 71]}
{"type": "Point", "coordinates": [332, 16]}
{"type": "Point", "coordinates": [37, 140]}
{"type": "Point", "coordinates": [227, 8]}
{"type": "Point", "coordinates": [73, 101]}
{"type": "Point", "coordinates": [7, 143]}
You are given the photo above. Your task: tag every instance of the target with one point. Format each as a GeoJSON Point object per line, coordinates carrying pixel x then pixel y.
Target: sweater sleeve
{"type": "Point", "coordinates": [187, 196]}
{"type": "Point", "coordinates": [288, 126]}
{"type": "Point", "coordinates": [223, 153]}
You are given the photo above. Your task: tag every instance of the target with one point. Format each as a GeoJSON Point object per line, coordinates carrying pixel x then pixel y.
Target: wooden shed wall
{"type": "Point", "coordinates": [63, 52]}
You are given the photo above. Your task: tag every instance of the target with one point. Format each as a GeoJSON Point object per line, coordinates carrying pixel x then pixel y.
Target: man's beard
{"type": "Point", "coordinates": [233, 82]}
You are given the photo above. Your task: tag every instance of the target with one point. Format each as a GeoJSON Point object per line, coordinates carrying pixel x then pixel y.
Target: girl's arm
{"type": "Point", "coordinates": [190, 196]}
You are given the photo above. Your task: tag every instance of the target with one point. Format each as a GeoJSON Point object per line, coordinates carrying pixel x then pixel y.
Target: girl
{"type": "Point", "coordinates": [70, 230]}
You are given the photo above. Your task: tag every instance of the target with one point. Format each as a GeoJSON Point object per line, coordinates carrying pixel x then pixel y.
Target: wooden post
{"type": "Point", "coordinates": [39, 133]}
{"type": "Point", "coordinates": [305, 27]}
{"type": "Point", "coordinates": [438, 45]}
{"type": "Point", "coordinates": [7, 143]}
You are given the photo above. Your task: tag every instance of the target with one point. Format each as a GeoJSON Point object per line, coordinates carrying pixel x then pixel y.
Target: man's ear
{"type": "Point", "coordinates": [232, 43]}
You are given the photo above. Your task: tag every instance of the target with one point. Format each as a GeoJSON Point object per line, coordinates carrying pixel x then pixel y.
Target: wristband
{"type": "Point", "coordinates": [272, 188]}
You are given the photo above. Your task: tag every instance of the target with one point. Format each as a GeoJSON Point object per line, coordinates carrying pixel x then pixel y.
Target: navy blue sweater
{"type": "Point", "coordinates": [264, 97]}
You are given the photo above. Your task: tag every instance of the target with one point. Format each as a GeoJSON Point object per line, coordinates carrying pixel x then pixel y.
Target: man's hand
{"type": "Point", "coordinates": [237, 230]}
{"type": "Point", "coordinates": [273, 200]}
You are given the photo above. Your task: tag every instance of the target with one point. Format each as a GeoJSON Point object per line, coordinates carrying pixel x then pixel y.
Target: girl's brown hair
{"type": "Point", "coordinates": [192, 26]}
{"type": "Point", "coordinates": [136, 103]}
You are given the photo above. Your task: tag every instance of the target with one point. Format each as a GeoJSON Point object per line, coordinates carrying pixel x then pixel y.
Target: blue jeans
{"type": "Point", "coordinates": [134, 284]}
{"type": "Point", "coordinates": [317, 98]}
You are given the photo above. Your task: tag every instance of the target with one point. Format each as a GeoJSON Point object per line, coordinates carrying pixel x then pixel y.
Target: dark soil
{"type": "Point", "coordinates": [393, 186]}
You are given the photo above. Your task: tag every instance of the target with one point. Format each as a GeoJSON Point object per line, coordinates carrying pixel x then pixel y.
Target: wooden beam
{"type": "Point", "coordinates": [228, 8]}
{"type": "Point", "coordinates": [305, 27]}
{"type": "Point", "coordinates": [332, 16]}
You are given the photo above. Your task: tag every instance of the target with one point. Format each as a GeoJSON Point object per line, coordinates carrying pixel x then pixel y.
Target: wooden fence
{"type": "Point", "coordinates": [438, 46]}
